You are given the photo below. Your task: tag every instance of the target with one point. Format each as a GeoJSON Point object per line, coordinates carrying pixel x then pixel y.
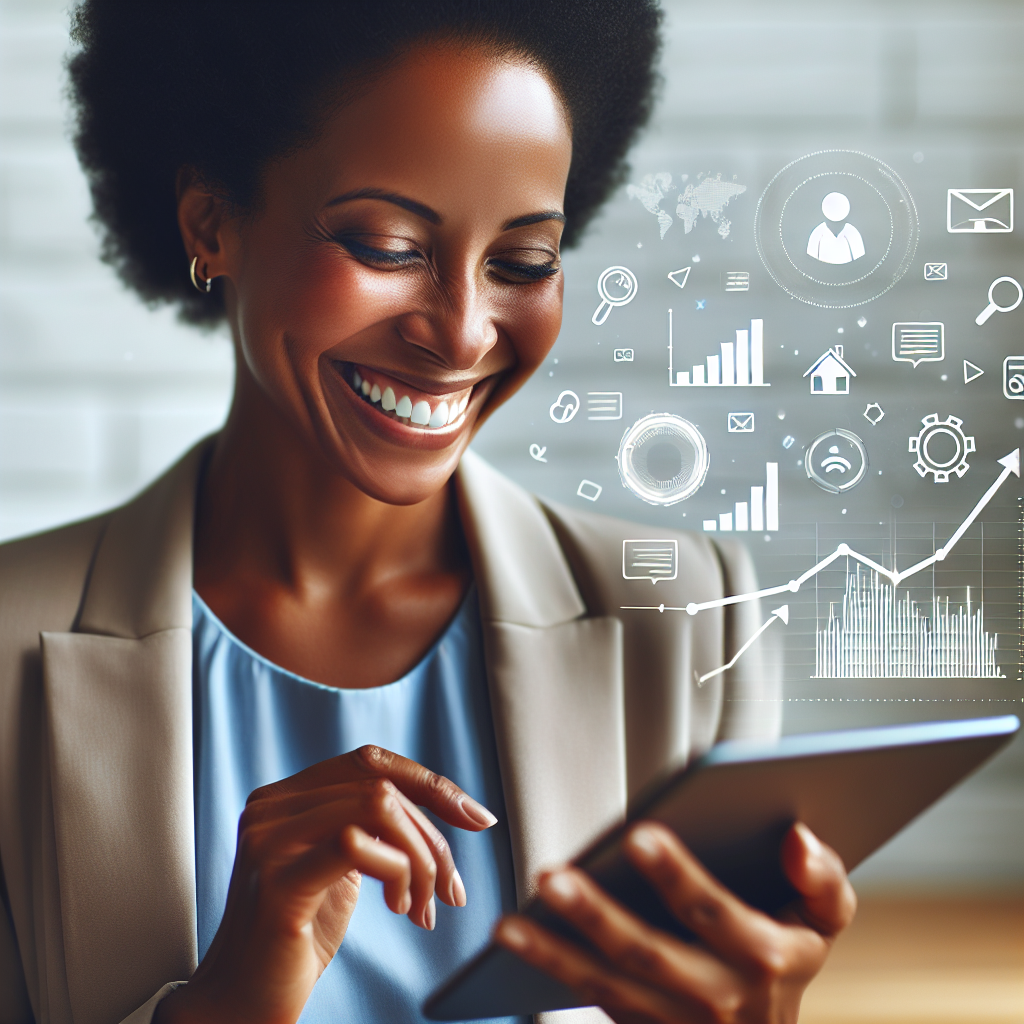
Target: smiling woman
{"type": "Point", "coordinates": [249, 680]}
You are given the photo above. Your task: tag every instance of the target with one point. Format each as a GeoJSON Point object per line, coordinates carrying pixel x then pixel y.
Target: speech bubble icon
{"type": "Point", "coordinates": [918, 343]}
{"type": "Point", "coordinates": [650, 560]}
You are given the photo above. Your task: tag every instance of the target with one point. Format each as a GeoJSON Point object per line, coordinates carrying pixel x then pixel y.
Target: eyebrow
{"type": "Point", "coordinates": [389, 197]}
{"type": "Point", "coordinates": [432, 215]}
{"type": "Point", "coordinates": [534, 218]}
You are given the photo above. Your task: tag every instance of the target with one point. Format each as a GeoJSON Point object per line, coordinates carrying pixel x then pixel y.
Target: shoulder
{"type": "Point", "coordinates": [42, 577]}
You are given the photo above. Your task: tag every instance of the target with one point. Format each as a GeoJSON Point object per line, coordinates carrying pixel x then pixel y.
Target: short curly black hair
{"type": "Point", "coordinates": [223, 86]}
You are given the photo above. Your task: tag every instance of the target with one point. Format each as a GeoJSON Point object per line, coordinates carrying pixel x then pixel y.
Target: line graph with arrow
{"type": "Point", "coordinates": [1011, 466]}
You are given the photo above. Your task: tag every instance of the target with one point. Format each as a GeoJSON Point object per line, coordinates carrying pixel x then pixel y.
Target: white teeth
{"type": "Point", "coordinates": [387, 400]}
{"type": "Point", "coordinates": [420, 414]}
{"type": "Point", "coordinates": [356, 379]}
{"type": "Point", "coordinates": [453, 413]}
{"type": "Point", "coordinates": [375, 393]}
{"type": "Point", "coordinates": [463, 404]}
{"type": "Point", "coordinates": [439, 417]}
{"type": "Point", "coordinates": [365, 387]}
{"type": "Point", "coordinates": [404, 408]}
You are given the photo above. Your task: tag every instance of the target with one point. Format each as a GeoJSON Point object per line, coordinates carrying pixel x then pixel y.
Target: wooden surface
{"type": "Point", "coordinates": [925, 962]}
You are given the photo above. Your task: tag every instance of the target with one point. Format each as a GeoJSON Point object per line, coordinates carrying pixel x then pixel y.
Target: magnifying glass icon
{"type": "Point", "coordinates": [616, 286]}
{"type": "Point", "coordinates": [993, 306]}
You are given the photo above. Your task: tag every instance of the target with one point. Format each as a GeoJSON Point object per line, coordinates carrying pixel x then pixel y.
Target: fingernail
{"type": "Point", "coordinates": [512, 934]}
{"type": "Point", "coordinates": [811, 842]}
{"type": "Point", "coordinates": [562, 886]}
{"type": "Point", "coordinates": [405, 903]}
{"type": "Point", "coordinates": [478, 812]}
{"type": "Point", "coordinates": [458, 889]}
{"type": "Point", "coordinates": [645, 843]}
{"type": "Point", "coordinates": [430, 916]}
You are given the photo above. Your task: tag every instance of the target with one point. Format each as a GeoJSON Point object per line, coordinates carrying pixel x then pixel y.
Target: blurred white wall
{"type": "Point", "coordinates": [97, 393]}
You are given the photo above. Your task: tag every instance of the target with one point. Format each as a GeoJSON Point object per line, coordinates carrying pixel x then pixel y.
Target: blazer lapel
{"type": "Point", "coordinates": [118, 719]}
{"type": "Point", "coordinates": [555, 678]}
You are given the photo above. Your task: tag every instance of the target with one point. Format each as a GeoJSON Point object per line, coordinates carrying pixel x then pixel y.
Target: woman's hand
{"type": "Point", "coordinates": [303, 845]}
{"type": "Point", "coordinates": [748, 967]}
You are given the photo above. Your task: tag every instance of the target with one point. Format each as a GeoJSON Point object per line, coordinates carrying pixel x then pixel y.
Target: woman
{"type": "Point", "coordinates": [306, 625]}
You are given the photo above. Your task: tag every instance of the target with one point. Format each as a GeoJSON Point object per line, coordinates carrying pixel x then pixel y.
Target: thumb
{"type": "Point", "coordinates": [817, 873]}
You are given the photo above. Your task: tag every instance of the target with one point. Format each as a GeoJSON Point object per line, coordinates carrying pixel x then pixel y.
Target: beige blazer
{"type": "Point", "coordinates": [96, 798]}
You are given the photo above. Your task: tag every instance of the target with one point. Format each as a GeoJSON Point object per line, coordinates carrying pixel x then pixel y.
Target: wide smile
{"type": "Point", "coordinates": [418, 411]}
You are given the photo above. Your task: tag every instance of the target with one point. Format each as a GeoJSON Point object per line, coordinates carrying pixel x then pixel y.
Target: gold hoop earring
{"type": "Point", "coordinates": [206, 285]}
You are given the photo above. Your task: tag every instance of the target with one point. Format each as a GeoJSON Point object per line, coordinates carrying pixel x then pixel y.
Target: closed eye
{"type": "Point", "coordinates": [383, 258]}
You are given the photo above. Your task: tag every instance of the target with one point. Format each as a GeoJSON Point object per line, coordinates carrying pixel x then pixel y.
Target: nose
{"type": "Point", "coordinates": [458, 327]}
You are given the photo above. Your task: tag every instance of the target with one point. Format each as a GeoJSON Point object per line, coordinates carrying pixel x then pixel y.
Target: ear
{"type": "Point", "coordinates": [202, 219]}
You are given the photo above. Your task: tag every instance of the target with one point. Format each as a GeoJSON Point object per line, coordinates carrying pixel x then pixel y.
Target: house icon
{"type": "Point", "coordinates": [830, 375]}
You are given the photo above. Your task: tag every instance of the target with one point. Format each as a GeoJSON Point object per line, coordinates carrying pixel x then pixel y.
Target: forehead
{"type": "Point", "coordinates": [441, 122]}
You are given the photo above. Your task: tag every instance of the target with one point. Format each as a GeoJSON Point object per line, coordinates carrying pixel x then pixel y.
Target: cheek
{"type": "Point", "coordinates": [294, 309]}
{"type": "Point", "coordinates": [537, 317]}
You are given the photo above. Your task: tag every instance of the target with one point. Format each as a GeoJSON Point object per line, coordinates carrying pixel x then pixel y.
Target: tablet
{"type": "Point", "coordinates": [855, 789]}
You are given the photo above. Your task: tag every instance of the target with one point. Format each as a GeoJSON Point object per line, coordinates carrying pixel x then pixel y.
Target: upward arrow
{"type": "Point", "coordinates": [1011, 462]}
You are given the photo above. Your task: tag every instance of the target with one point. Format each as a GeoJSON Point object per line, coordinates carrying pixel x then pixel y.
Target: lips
{"type": "Point", "coordinates": [409, 406]}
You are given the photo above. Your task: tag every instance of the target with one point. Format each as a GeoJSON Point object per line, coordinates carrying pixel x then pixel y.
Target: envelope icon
{"type": "Point", "coordinates": [935, 272]}
{"type": "Point", "coordinates": [741, 423]}
{"type": "Point", "coordinates": [979, 209]}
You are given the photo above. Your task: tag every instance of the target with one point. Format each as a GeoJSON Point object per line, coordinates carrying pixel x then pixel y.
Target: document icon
{"type": "Point", "coordinates": [741, 423]}
{"type": "Point", "coordinates": [736, 281]}
{"type": "Point", "coordinates": [935, 272]}
{"type": "Point", "coordinates": [604, 405]}
{"type": "Point", "coordinates": [979, 209]}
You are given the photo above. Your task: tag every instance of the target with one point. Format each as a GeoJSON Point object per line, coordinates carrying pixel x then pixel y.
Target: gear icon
{"type": "Point", "coordinates": [932, 446]}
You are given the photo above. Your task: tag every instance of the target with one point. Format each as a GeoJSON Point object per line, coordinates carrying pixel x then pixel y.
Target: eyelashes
{"type": "Point", "coordinates": [392, 259]}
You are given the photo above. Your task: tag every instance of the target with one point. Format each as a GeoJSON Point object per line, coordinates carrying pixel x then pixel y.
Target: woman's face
{"type": "Point", "coordinates": [401, 276]}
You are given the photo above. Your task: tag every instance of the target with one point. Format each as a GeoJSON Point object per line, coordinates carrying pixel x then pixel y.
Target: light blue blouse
{"type": "Point", "coordinates": [255, 723]}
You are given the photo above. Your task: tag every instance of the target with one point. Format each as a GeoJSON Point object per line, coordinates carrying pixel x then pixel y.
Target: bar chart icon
{"type": "Point", "coordinates": [760, 514]}
{"type": "Point", "coordinates": [738, 364]}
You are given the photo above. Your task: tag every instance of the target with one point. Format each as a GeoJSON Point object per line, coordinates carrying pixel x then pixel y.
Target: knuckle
{"type": "Point", "coordinates": [643, 959]}
{"type": "Point", "coordinates": [371, 759]}
{"type": "Point", "coordinates": [380, 794]}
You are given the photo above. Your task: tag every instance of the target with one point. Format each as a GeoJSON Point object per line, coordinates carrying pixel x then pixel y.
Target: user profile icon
{"type": "Point", "coordinates": [828, 247]}
{"type": "Point", "coordinates": [836, 229]}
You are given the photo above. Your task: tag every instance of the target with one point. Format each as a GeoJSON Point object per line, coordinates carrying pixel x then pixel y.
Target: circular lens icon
{"type": "Point", "coordinates": [616, 286]}
{"type": "Point", "coordinates": [836, 460]}
{"type": "Point", "coordinates": [663, 459]}
{"type": "Point", "coordinates": [836, 229]}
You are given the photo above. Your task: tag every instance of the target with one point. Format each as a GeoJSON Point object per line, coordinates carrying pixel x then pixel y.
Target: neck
{"type": "Point", "coordinates": [274, 512]}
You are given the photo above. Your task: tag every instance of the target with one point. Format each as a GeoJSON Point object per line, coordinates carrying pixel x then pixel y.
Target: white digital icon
{"type": "Point", "coordinates": [760, 513]}
{"type": "Point", "coordinates": [564, 407]}
{"type": "Point", "coordinates": [679, 277]}
{"type": "Point", "coordinates": [622, 355]}
{"type": "Point", "coordinates": [942, 448]}
{"type": "Point", "coordinates": [827, 247]}
{"type": "Point", "coordinates": [1013, 377]}
{"type": "Point", "coordinates": [740, 423]}
{"type": "Point", "coordinates": [830, 374]}
{"type": "Point", "coordinates": [736, 281]}
{"type": "Point", "coordinates": [995, 307]}
{"type": "Point", "coordinates": [589, 490]}
{"type": "Point", "coordinates": [663, 459]}
{"type": "Point", "coordinates": [918, 343]}
{"type": "Point", "coordinates": [936, 272]}
{"type": "Point", "coordinates": [739, 364]}
{"type": "Point", "coordinates": [652, 560]}
{"type": "Point", "coordinates": [616, 286]}
{"type": "Point", "coordinates": [537, 452]}
{"type": "Point", "coordinates": [971, 372]}
{"type": "Point", "coordinates": [874, 413]}
{"type": "Point", "coordinates": [988, 210]}
{"type": "Point", "coordinates": [604, 405]}
{"type": "Point", "coordinates": [839, 452]}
